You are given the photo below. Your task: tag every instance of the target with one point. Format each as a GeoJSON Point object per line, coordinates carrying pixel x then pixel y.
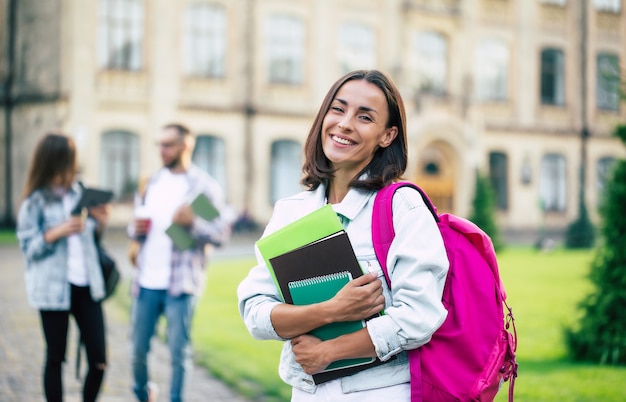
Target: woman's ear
{"type": "Point", "coordinates": [388, 137]}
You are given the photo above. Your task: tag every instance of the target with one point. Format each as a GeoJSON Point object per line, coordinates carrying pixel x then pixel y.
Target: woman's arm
{"type": "Point", "coordinates": [35, 241]}
{"type": "Point", "coordinates": [359, 299]}
{"type": "Point", "coordinates": [101, 214]}
{"type": "Point", "coordinates": [74, 224]}
{"type": "Point", "coordinates": [314, 355]}
{"type": "Point", "coordinates": [418, 265]}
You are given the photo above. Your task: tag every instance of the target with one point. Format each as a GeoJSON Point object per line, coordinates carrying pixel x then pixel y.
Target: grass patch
{"type": "Point", "coordinates": [222, 344]}
{"type": "Point", "coordinates": [543, 290]}
{"type": "Point", "coordinates": [7, 236]}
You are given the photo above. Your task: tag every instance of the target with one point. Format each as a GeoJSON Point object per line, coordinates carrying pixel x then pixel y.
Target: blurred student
{"type": "Point", "coordinates": [356, 146]}
{"type": "Point", "coordinates": [63, 275]}
{"type": "Point", "coordinates": [169, 280]}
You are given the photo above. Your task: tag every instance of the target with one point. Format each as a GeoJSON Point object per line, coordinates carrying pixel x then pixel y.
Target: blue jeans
{"type": "Point", "coordinates": [147, 308]}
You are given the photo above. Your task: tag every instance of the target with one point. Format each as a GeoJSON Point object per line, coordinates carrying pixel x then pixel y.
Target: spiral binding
{"type": "Point", "coordinates": [319, 279]}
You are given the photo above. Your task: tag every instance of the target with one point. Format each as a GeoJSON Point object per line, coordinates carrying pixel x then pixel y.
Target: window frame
{"type": "Point", "coordinates": [553, 183]}
{"type": "Point", "coordinates": [432, 62]}
{"type": "Point", "coordinates": [555, 73]}
{"type": "Point", "coordinates": [607, 99]}
{"type": "Point", "coordinates": [121, 35]}
{"type": "Point", "coordinates": [492, 86]}
{"type": "Point", "coordinates": [205, 40]}
{"type": "Point", "coordinates": [357, 46]}
{"type": "Point", "coordinates": [285, 38]}
{"type": "Point", "coordinates": [209, 154]}
{"type": "Point", "coordinates": [283, 181]}
{"type": "Point", "coordinates": [119, 162]}
{"type": "Point", "coordinates": [499, 177]}
{"type": "Point", "coordinates": [608, 6]}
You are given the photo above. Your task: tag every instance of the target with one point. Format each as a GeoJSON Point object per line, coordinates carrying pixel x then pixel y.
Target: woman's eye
{"type": "Point", "coordinates": [366, 118]}
{"type": "Point", "coordinates": [336, 108]}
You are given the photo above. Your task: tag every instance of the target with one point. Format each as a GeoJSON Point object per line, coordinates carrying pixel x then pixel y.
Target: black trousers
{"type": "Point", "coordinates": [90, 320]}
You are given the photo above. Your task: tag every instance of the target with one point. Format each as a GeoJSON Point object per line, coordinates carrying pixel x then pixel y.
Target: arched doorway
{"type": "Point", "coordinates": [435, 174]}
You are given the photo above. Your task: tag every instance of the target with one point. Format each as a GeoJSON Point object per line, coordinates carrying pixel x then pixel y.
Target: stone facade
{"type": "Point", "coordinates": [60, 83]}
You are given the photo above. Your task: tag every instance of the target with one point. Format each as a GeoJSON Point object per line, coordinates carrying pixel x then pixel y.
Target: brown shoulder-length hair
{"type": "Point", "coordinates": [55, 155]}
{"type": "Point", "coordinates": [387, 165]}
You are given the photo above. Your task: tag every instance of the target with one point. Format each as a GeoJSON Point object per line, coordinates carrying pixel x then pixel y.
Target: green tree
{"type": "Point", "coordinates": [483, 209]}
{"type": "Point", "coordinates": [580, 233]}
{"type": "Point", "coordinates": [600, 335]}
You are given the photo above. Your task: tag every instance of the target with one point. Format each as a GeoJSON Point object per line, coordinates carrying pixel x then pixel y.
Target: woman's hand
{"type": "Point", "coordinates": [74, 224]}
{"type": "Point", "coordinates": [359, 299]}
{"type": "Point", "coordinates": [315, 355]}
{"type": "Point", "coordinates": [101, 214]}
{"type": "Point", "coordinates": [310, 354]}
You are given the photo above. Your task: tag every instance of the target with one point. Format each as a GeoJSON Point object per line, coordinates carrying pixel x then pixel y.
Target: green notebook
{"type": "Point", "coordinates": [312, 227]}
{"type": "Point", "coordinates": [202, 207]}
{"type": "Point", "coordinates": [319, 289]}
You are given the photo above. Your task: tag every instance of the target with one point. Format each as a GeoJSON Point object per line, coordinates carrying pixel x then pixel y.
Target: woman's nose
{"type": "Point", "coordinates": [345, 124]}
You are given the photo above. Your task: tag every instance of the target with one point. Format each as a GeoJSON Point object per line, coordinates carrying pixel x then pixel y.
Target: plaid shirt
{"type": "Point", "coordinates": [188, 271]}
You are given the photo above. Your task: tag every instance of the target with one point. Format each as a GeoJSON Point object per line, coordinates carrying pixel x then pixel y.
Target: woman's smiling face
{"type": "Point", "coordinates": [355, 127]}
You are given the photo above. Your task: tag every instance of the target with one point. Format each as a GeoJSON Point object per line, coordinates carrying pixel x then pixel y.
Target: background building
{"type": "Point", "coordinates": [523, 90]}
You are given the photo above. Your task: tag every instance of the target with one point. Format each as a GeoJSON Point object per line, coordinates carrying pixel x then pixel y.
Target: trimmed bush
{"type": "Point", "coordinates": [483, 210]}
{"type": "Point", "coordinates": [600, 335]}
{"type": "Point", "coordinates": [580, 233]}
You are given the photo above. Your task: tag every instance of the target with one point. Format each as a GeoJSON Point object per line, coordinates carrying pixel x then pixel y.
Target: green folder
{"type": "Point", "coordinates": [202, 207]}
{"type": "Point", "coordinates": [312, 227]}
{"type": "Point", "coordinates": [319, 289]}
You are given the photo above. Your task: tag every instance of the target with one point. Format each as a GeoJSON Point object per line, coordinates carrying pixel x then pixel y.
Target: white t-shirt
{"type": "Point", "coordinates": [76, 271]}
{"type": "Point", "coordinates": [163, 198]}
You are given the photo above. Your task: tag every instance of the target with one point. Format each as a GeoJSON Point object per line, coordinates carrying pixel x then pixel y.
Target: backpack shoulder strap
{"type": "Point", "coordinates": [382, 220]}
{"type": "Point", "coordinates": [383, 231]}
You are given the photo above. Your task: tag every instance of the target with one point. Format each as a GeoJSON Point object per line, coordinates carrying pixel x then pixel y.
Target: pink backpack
{"type": "Point", "coordinates": [473, 352]}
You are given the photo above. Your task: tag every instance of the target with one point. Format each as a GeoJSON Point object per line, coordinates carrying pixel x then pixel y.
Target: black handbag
{"type": "Point", "coordinates": [110, 273]}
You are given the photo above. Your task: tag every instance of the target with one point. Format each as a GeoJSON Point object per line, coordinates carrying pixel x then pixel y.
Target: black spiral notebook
{"type": "Point", "coordinates": [315, 273]}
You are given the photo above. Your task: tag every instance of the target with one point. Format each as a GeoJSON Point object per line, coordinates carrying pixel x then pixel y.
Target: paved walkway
{"type": "Point", "coordinates": [22, 347]}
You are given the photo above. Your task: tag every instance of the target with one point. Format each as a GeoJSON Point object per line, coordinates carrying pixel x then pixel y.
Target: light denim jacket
{"type": "Point", "coordinates": [417, 264]}
{"type": "Point", "coordinates": [47, 286]}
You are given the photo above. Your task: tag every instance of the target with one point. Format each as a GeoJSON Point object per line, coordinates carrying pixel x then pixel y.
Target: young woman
{"type": "Point", "coordinates": [63, 275]}
{"type": "Point", "coordinates": [356, 146]}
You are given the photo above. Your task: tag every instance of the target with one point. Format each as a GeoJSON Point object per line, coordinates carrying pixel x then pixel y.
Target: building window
{"type": "Point", "coordinates": [432, 62]}
{"type": "Point", "coordinates": [612, 6]}
{"type": "Point", "coordinates": [357, 47]}
{"type": "Point", "coordinates": [121, 34]}
{"type": "Point", "coordinates": [285, 47]}
{"type": "Point", "coordinates": [210, 156]}
{"type": "Point", "coordinates": [552, 183]}
{"type": "Point", "coordinates": [555, 2]}
{"type": "Point", "coordinates": [552, 77]}
{"type": "Point", "coordinates": [608, 82]}
{"type": "Point", "coordinates": [205, 41]}
{"type": "Point", "coordinates": [498, 174]}
{"type": "Point", "coordinates": [119, 163]}
{"type": "Point", "coordinates": [605, 173]}
{"type": "Point", "coordinates": [286, 168]}
{"type": "Point", "coordinates": [431, 169]}
{"type": "Point", "coordinates": [491, 66]}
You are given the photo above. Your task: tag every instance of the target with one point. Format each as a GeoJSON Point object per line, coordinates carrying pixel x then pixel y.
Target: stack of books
{"type": "Point", "coordinates": [310, 260]}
